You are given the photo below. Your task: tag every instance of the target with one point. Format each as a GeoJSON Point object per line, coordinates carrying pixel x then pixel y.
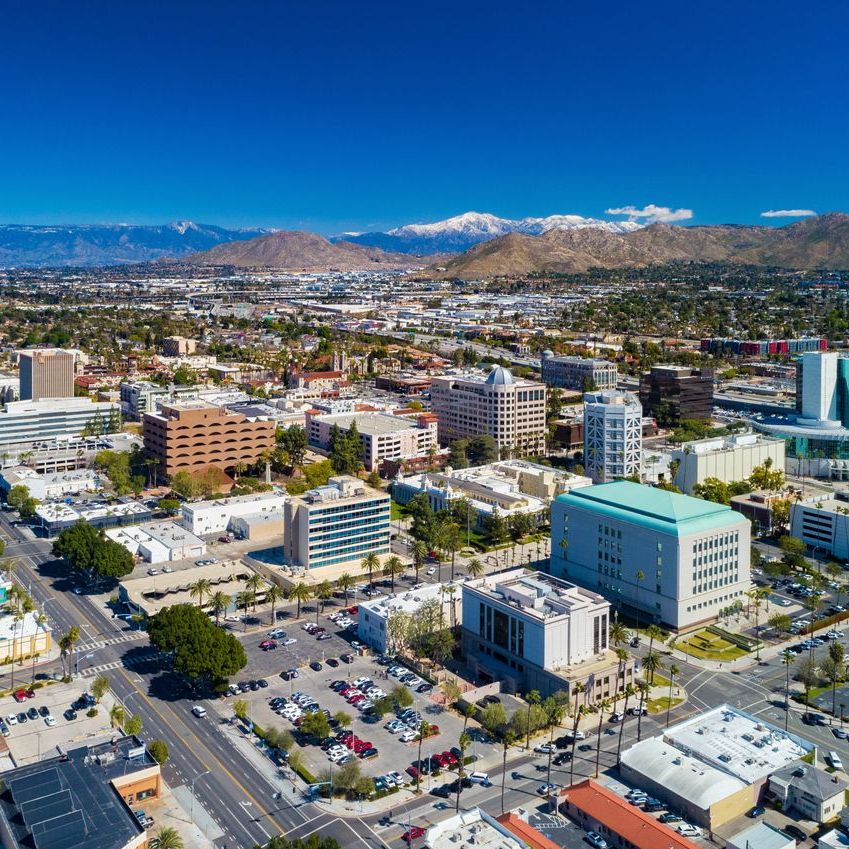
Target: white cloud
{"type": "Point", "coordinates": [650, 213]}
{"type": "Point", "coordinates": [787, 213]}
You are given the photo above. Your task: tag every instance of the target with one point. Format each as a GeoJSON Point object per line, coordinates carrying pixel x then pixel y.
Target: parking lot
{"type": "Point", "coordinates": [395, 750]}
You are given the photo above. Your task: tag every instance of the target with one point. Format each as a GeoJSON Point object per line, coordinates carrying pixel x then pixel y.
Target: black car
{"type": "Point", "coordinates": [22, 718]}
{"type": "Point", "coordinates": [332, 662]}
{"type": "Point", "coordinates": [327, 742]}
{"type": "Point", "coordinates": [443, 791]}
{"type": "Point", "coordinates": [347, 658]}
{"type": "Point", "coordinates": [254, 685]}
{"type": "Point", "coordinates": [456, 752]}
{"type": "Point", "coordinates": [289, 674]}
{"type": "Point", "coordinates": [492, 700]}
{"type": "Point", "coordinates": [338, 685]}
{"type": "Point", "coordinates": [262, 683]}
{"type": "Point", "coordinates": [44, 711]}
{"type": "Point", "coordinates": [795, 831]}
{"type": "Point", "coordinates": [70, 714]}
{"type": "Point", "coordinates": [586, 747]}
{"type": "Point", "coordinates": [667, 818]}
{"type": "Point", "coordinates": [562, 758]}
{"type": "Point", "coordinates": [424, 688]}
{"type": "Point", "coordinates": [32, 713]}
{"type": "Point", "coordinates": [316, 666]}
{"type": "Point", "coordinates": [653, 805]}
{"type": "Point", "coordinates": [244, 686]}
{"type": "Point", "coordinates": [368, 754]}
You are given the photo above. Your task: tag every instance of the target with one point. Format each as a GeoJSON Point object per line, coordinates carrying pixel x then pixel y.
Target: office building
{"type": "Point", "coordinates": [140, 397]}
{"type": "Point", "coordinates": [595, 807]}
{"type": "Point", "coordinates": [726, 458]}
{"type": "Point", "coordinates": [383, 435]}
{"type": "Point", "coordinates": [336, 526]}
{"type": "Point", "coordinates": [509, 409]}
{"type": "Point", "coordinates": [578, 374]}
{"type": "Point", "coordinates": [723, 346]}
{"type": "Point", "coordinates": [672, 394]}
{"type": "Point", "coordinates": [192, 435]}
{"type": "Point", "coordinates": [656, 555]}
{"type": "Point", "coordinates": [46, 373]}
{"type": "Point", "coordinates": [84, 797]}
{"type": "Point", "coordinates": [613, 435]}
{"type": "Point", "coordinates": [511, 487]}
{"type": "Point", "coordinates": [375, 613]}
{"type": "Point", "coordinates": [55, 420]}
{"type": "Point", "coordinates": [808, 791]}
{"type": "Point", "coordinates": [714, 766]}
{"type": "Point", "coordinates": [178, 346]}
{"type": "Point", "coordinates": [220, 515]}
{"type": "Point", "coordinates": [534, 632]}
{"type": "Point", "coordinates": [823, 524]}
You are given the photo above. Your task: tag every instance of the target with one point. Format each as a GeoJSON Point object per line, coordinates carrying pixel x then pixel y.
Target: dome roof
{"type": "Point", "coordinates": [547, 354]}
{"type": "Point", "coordinates": [499, 376]}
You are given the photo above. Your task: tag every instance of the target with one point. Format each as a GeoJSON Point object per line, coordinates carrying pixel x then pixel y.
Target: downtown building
{"type": "Point", "coordinates": [657, 556]}
{"type": "Point", "coordinates": [673, 394]}
{"type": "Point", "coordinates": [509, 409]}
{"type": "Point", "coordinates": [613, 435]}
{"type": "Point", "coordinates": [532, 631]}
{"type": "Point", "coordinates": [46, 373]}
{"type": "Point", "coordinates": [578, 374]}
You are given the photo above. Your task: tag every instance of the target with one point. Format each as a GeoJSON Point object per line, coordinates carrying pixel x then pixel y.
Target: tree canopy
{"type": "Point", "coordinates": [91, 553]}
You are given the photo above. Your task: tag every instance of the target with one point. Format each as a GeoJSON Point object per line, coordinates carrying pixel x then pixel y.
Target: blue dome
{"type": "Point", "coordinates": [500, 376]}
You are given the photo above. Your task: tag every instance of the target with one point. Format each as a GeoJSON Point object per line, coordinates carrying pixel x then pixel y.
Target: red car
{"type": "Point", "coordinates": [21, 695]}
{"type": "Point", "coordinates": [414, 833]}
{"type": "Point", "coordinates": [450, 758]}
{"type": "Point", "coordinates": [432, 730]}
{"type": "Point", "coordinates": [412, 771]}
{"type": "Point", "coordinates": [268, 644]}
{"type": "Point", "coordinates": [441, 760]}
{"type": "Point", "coordinates": [353, 610]}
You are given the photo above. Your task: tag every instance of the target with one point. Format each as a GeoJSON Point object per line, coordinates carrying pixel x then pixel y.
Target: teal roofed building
{"type": "Point", "coordinates": [657, 556]}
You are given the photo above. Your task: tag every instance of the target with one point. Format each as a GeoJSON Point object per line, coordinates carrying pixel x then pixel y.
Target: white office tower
{"type": "Point", "coordinates": [613, 435]}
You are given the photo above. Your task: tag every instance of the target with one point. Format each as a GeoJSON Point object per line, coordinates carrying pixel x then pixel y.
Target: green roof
{"type": "Point", "coordinates": [669, 512]}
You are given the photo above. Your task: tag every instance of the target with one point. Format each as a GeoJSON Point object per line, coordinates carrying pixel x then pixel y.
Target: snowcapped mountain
{"type": "Point", "coordinates": [33, 245]}
{"type": "Point", "coordinates": [471, 228]}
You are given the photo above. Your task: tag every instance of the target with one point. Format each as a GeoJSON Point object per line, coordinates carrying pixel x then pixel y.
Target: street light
{"type": "Point", "coordinates": [192, 805]}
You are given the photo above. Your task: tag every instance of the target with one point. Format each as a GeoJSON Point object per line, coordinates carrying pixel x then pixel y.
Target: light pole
{"type": "Point", "coordinates": [192, 804]}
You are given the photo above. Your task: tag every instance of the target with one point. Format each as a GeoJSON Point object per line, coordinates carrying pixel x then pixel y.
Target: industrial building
{"type": "Point", "coordinates": [159, 542]}
{"type": "Point", "coordinates": [534, 632]}
{"type": "Point", "coordinates": [673, 394]}
{"type": "Point", "coordinates": [613, 435]}
{"type": "Point", "coordinates": [43, 487]}
{"type": "Point", "coordinates": [656, 555]}
{"type": "Point", "coordinates": [509, 409]}
{"type": "Point", "coordinates": [578, 374]}
{"type": "Point", "coordinates": [54, 517]}
{"type": "Point", "coordinates": [712, 767]}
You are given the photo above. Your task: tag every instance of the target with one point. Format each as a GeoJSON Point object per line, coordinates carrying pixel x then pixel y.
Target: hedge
{"type": "Point", "coordinates": [824, 623]}
{"type": "Point", "coordinates": [738, 640]}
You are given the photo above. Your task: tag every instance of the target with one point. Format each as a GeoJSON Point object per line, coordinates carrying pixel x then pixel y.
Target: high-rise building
{"type": "Point", "coordinates": [46, 373]}
{"type": "Point", "coordinates": [657, 555]}
{"type": "Point", "coordinates": [178, 346]}
{"type": "Point", "coordinates": [509, 409]}
{"type": "Point", "coordinates": [194, 435]}
{"type": "Point", "coordinates": [579, 374]}
{"type": "Point", "coordinates": [613, 435]}
{"type": "Point", "coordinates": [336, 525]}
{"type": "Point", "coordinates": [822, 389]}
{"type": "Point", "coordinates": [673, 394]}
{"type": "Point", "coordinates": [56, 420]}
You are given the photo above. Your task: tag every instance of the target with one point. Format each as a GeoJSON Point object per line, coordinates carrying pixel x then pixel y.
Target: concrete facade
{"type": "Point", "coordinates": [578, 374]}
{"type": "Point", "coordinates": [613, 435]}
{"type": "Point", "coordinates": [46, 374]}
{"type": "Point", "coordinates": [822, 524]}
{"type": "Point", "coordinates": [218, 515]}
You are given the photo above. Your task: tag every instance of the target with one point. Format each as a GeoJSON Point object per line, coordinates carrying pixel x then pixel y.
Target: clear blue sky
{"type": "Point", "coordinates": [336, 116]}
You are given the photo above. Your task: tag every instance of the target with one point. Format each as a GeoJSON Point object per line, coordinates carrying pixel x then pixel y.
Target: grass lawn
{"type": "Point", "coordinates": [660, 705]}
{"type": "Point", "coordinates": [397, 511]}
{"type": "Point", "coordinates": [659, 680]}
{"type": "Point", "coordinates": [709, 646]}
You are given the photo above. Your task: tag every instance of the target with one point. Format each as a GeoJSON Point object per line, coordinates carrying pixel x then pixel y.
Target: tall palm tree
{"type": "Point", "coordinates": [346, 583]}
{"type": "Point", "coordinates": [475, 568]}
{"type": "Point", "coordinates": [787, 658]}
{"type": "Point", "coordinates": [673, 671]}
{"type": "Point", "coordinates": [66, 647]}
{"type": "Point", "coordinates": [418, 551]}
{"type": "Point", "coordinates": [274, 595]}
{"type": "Point", "coordinates": [40, 622]}
{"type": "Point", "coordinates": [463, 744]}
{"type": "Point", "coordinates": [532, 698]}
{"type": "Point", "coordinates": [369, 564]}
{"type": "Point", "coordinates": [652, 663]}
{"type": "Point", "coordinates": [245, 599]}
{"type": "Point", "coordinates": [301, 593]}
{"type": "Point", "coordinates": [391, 568]}
{"type": "Point", "coordinates": [601, 706]}
{"type": "Point", "coordinates": [423, 727]}
{"type": "Point", "coordinates": [201, 590]}
{"type": "Point", "coordinates": [629, 691]}
{"type": "Point", "coordinates": [17, 616]}
{"type": "Point", "coordinates": [169, 838]}
{"type": "Point", "coordinates": [322, 594]}
{"type": "Point", "coordinates": [654, 633]}
{"type": "Point", "coordinates": [255, 583]}
{"type": "Point", "coordinates": [218, 603]}
{"type": "Point", "coordinates": [618, 632]}
{"type": "Point", "coordinates": [451, 592]}
{"type": "Point", "coordinates": [508, 738]}
{"type": "Point", "coordinates": [643, 687]}
{"type": "Point", "coordinates": [622, 656]}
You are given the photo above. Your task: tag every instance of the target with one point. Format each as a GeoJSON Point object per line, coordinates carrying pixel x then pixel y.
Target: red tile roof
{"type": "Point", "coordinates": [526, 832]}
{"type": "Point", "coordinates": [637, 827]}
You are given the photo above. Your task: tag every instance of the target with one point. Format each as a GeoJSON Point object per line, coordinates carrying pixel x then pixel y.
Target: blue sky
{"type": "Point", "coordinates": [334, 116]}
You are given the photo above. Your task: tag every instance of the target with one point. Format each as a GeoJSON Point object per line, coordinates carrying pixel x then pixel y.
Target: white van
{"type": "Point", "coordinates": [479, 778]}
{"type": "Point", "coordinates": [834, 760]}
{"type": "Point", "coordinates": [199, 712]}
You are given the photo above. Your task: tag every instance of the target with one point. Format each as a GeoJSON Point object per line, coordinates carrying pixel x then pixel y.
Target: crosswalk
{"type": "Point", "coordinates": [123, 637]}
{"type": "Point", "coordinates": [128, 663]}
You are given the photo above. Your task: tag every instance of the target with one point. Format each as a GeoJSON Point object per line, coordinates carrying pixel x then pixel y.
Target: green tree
{"type": "Point", "coordinates": [171, 506]}
{"type": "Point", "coordinates": [532, 698]}
{"type": "Point", "coordinates": [201, 589]}
{"type": "Point", "coordinates": [185, 485]}
{"type": "Point", "coordinates": [240, 709]}
{"type": "Point", "coordinates": [300, 593]}
{"type": "Point", "coordinates": [393, 567]}
{"type": "Point", "coordinates": [169, 838]}
{"type": "Point", "coordinates": [133, 725]}
{"type": "Point", "coordinates": [780, 623]}
{"type": "Point", "coordinates": [651, 664]}
{"type": "Point", "coordinates": [482, 449]}
{"type": "Point", "coordinates": [493, 717]}
{"type": "Point", "coordinates": [346, 583]}
{"type": "Point", "coordinates": [158, 750]}
{"type": "Point", "coordinates": [274, 594]}
{"type": "Point", "coordinates": [99, 687]}
{"type": "Point", "coordinates": [673, 671]}
{"type": "Point", "coordinates": [475, 568]}
{"type": "Point", "coordinates": [315, 725]}
{"type": "Point", "coordinates": [508, 738]}
{"type": "Point", "coordinates": [713, 489]}
{"type": "Point", "coordinates": [369, 564]}
{"type": "Point", "coordinates": [323, 592]}
{"type": "Point", "coordinates": [418, 551]}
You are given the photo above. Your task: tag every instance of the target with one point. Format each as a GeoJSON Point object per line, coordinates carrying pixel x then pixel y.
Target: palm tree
{"type": "Point", "coordinates": [369, 564]}
{"type": "Point", "coordinates": [255, 583]}
{"type": "Point", "coordinates": [463, 744]}
{"type": "Point", "coordinates": [17, 616]}
{"type": "Point", "coordinates": [169, 838]}
{"type": "Point", "coordinates": [66, 647]}
{"type": "Point", "coordinates": [475, 568]}
{"type": "Point", "coordinates": [244, 599]}
{"type": "Point", "coordinates": [200, 589]}
{"type": "Point", "coordinates": [274, 595]}
{"type": "Point", "coordinates": [301, 593]}
{"type": "Point", "coordinates": [468, 711]}
{"type": "Point", "coordinates": [622, 657]}
{"type": "Point", "coordinates": [219, 602]}
{"type": "Point", "coordinates": [346, 583]}
{"type": "Point", "coordinates": [322, 593]}
{"type": "Point", "coordinates": [618, 632]}
{"type": "Point", "coordinates": [40, 622]}
{"type": "Point", "coordinates": [601, 706]}
{"type": "Point", "coordinates": [392, 567]}
{"type": "Point", "coordinates": [532, 698]}
{"type": "Point", "coordinates": [787, 657]}
{"type": "Point", "coordinates": [673, 671]}
{"type": "Point", "coordinates": [654, 633]}
{"type": "Point", "coordinates": [418, 551]}
{"type": "Point", "coordinates": [629, 691]}
{"type": "Point", "coordinates": [652, 663]}
{"type": "Point", "coordinates": [423, 727]}
{"type": "Point", "coordinates": [643, 687]}
{"type": "Point", "coordinates": [451, 592]}
{"type": "Point", "coordinates": [508, 738]}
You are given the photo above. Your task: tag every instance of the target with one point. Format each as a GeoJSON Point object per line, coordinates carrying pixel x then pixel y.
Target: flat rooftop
{"type": "Point", "coordinates": [371, 424]}
{"type": "Point", "coordinates": [408, 602]}
{"type": "Point", "coordinates": [472, 828]}
{"type": "Point", "coordinates": [61, 512]}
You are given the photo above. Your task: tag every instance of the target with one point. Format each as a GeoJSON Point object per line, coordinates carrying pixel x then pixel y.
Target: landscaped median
{"type": "Point", "coordinates": [713, 643]}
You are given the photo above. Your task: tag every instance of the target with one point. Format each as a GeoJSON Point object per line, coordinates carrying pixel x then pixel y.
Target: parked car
{"type": "Point", "coordinates": [545, 789]}
{"type": "Point", "coordinates": [544, 748]}
{"type": "Point", "coordinates": [596, 840]}
{"type": "Point", "coordinates": [757, 811]}
{"type": "Point", "coordinates": [669, 818]}
{"type": "Point", "coordinates": [413, 833]}
{"type": "Point", "coordinates": [795, 832]}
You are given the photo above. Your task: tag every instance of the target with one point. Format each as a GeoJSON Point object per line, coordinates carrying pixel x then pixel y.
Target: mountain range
{"type": "Point", "coordinates": [464, 231]}
{"type": "Point", "coordinates": [80, 245]}
{"type": "Point", "coordinates": [818, 242]}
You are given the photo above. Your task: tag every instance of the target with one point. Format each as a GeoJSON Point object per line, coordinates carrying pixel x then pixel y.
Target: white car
{"type": "Point", "coordinates": [49, 721]}
{"type": "Point", "coordinates": [11, 719]}
{"type": "Point", "coordinates": [153, 571]}
{"type": "Point", "coordinates": [199, 712]}
{"type": "Point", "coordinates": [409, 736]}
{"type": "Point", "coordinates": [394, 726]}
{"type": "Point", "coordinates": [783, 602]}
{"type": "Point", "coordinates": [431, 571]}
{"type": "Point", "coordinates": [232, 617]}
{"type": "Point", "coordinates": [167, 569]}
{"type": "Point", "coordinates": [689, 830]}
{"type": "Point", "coordinates": [545, 748]}
{"type": "Point", "coordinates": [290, 642]}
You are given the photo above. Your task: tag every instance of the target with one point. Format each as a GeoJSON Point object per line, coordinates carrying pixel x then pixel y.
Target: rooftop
{"type": "Point", "coordinates": [257, 499]}
{"type": "Point", "coordinates": [408, 602]}
{"type": "Point", "coordinates": [812, 781]}
{"type": "Point", "coordinates": [69, 801]}
{"type": "Point", "coordinates": [669, 512]}
{"type": "Point", "coordinates": [61, 512]}
{"type": "Point", "coordinates": [472, 828]}
{"type": "Point", "coordinates": [371, 424]}
{"type": "Point", "coordinates": [761, 836]}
